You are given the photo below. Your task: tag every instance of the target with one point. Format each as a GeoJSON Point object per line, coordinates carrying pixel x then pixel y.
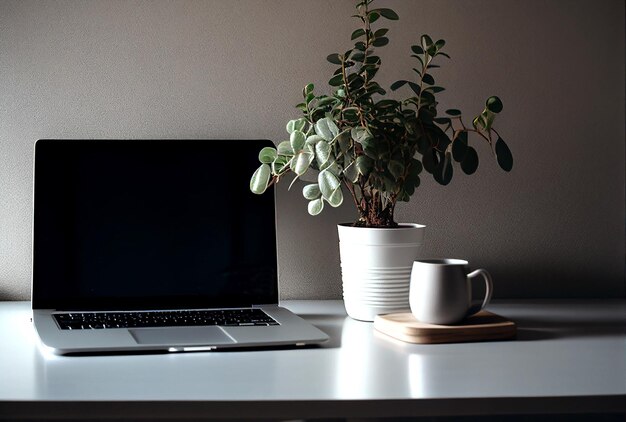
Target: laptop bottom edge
{"type": "Point", "coordinates": [290, 330]}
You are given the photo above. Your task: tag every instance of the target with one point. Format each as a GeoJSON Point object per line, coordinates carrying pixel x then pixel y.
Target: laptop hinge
{"type": "Point", "coordinates": [265, 306]}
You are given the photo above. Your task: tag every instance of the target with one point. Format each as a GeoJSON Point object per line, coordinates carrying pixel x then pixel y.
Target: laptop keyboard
{"type": "Point", "coordinates": [104, 320]}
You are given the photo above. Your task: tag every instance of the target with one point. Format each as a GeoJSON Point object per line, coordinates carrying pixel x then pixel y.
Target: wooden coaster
{"type": "Point", "coordinates": [479, 327]}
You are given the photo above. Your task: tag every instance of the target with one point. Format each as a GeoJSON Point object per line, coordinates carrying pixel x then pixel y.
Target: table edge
{"type": "Point", "coordinates": [228, 409]}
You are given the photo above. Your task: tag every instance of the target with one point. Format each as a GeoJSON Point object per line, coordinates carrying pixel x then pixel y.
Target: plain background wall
{"type": "Point", "coordinates": [553, 227]}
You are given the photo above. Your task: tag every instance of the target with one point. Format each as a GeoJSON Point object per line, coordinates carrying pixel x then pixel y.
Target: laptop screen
{"type": "Point", "coordinates": [151, 224]}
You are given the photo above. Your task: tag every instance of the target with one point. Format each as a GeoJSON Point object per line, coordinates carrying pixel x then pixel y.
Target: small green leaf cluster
{"type": "Point", "coordinates": [310, 146]}
{"type": "Point", "coordinates": [372, 146]}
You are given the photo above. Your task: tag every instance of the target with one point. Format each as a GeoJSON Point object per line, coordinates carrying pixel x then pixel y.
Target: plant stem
{"type": "Point", "coordinates": [424, 67]}
{"type": "Point", "coordinates": [350, 188]}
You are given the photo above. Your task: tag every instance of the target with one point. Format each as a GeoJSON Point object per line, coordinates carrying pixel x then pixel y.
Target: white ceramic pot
{"type": "Point", "coordinates": [376, 267]}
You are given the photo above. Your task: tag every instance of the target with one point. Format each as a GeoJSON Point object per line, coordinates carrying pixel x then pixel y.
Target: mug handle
{"type": "Point", "coordinates": [488, 283]}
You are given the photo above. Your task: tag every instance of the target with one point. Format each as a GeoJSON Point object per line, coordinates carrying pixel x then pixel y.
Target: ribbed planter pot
{"type": "Point", "coordinates": [376, 267]}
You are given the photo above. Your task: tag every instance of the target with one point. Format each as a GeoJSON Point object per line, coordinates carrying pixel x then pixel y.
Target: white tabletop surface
{"type": "Point", "coordinates": [568, 356]}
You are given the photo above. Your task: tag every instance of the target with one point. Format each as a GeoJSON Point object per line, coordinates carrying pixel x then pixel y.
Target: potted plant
{"type": "Point", "coordinates": [359, 142]}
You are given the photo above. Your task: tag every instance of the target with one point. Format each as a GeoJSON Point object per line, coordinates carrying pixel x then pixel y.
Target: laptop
{"type": "Point", "coordinates": [156, 245]}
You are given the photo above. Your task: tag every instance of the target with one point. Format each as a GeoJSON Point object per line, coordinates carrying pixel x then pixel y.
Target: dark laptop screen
{"type": "Point", "coordinates": [159, 224]}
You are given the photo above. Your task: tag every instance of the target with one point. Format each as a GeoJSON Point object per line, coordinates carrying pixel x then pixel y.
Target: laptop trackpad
{"type": "Point", "coordinates": [207, 336]}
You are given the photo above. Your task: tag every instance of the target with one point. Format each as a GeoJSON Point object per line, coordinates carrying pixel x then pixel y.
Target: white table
{"type": "Point", "coordinates": [569, 357]}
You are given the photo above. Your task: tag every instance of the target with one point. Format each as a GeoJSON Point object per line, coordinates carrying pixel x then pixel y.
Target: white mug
{"type": "Point", "coordinates": [441, 292]}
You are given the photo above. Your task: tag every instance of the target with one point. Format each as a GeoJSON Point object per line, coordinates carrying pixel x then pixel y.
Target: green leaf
{"type": "Point", "coordinates": [351, 173]}
{"type": "Point", "coordinates": [412, 179]}
{"type": "Point", "coordinates": [345, 141]}
{"type": "Point", "coordinates": [504, 156]}
{"type": "Point", "coordinates": [396, 168]}
{"type": "Point", "coordinates": [415, 167]}
{"type": "Point", "coordinates": [426, 41]}
{"type": "Point", "coordinates": [326, 128]}
{"type": "Point", "coordinates": [293, 125]}
{"type": "Point", "coordinates": [453, 112]}
{"type": "Point", "coordinates": [334, 58]}
{"type": "Point", "coordinates": [358, 56]}
{"type": "Point", "coordinates": [443, 174]}
{"type": "Point", "coordinates": [427, 78]}
{"type": "Point", "coordinates": [428, 98]}
{"type": "Point", "coordinates": [417, 49]}
{"type": "Point", "coordinates": [442, 138]}
{"type": "Point", "coordinates": [439, 44]}
{"type": "Point", "coordinates": [398, 84]}
{"type": "Point", "coordinates": [415, 87]}
{"type": "Point", "coordinates": [260, 179]}
{"type": "Point", "coordinates": [302, 162]}
{"type": "Point", "coordinates": [350, 114]}
{"type": "Point", "coordinates": [364, 165]}
{"type": "Point", "coordinates": [371, 151]}
{"type": "Point", "coordinates": [381, 32]}
{"type": "Point", "coordinates": [423, 143]}
{"type": "Point", "coordinates": [379, 42]}
{"type": "Point", "coordinates": [459, 147]}
{"type": "Point", "coordinates": [284, 148]}
{"type": "Point", "coordinates": [354, 77]}
{"type": "Point", "coordinates": [297, 140]}
{"type": "Point", "coordinates": [389, 14]}
{"type": "Point", "coordinates": [308, 89]}
{"type": "Point", "coordinates": [316, 206]}
{"type": "Point", "coordinates": [357, 33]}
{"type": "Point", "coordinates": [375, 60]}
{"type": "Point", "coordinates": [470, 161]}
{"type": "Point", "coordinates": [324, 101]}
{"type": "Point", "coordinates": [311, 192]}
{"type": "Point", "coordinates": [373, 16]}
{"type": "Point", "coordinates": [313, 139]}
{"type": "Point", "coordinates": [336, 198]}
{"type": "Point", "coordinates": [435, 89]}
{"type": "Point", "coordinates": [494, 104]}
{"type": "Point", "coordinates": [382, 104]}
{"type": "Point", "coordinates": [479, 121]}
{"type": "Point", "coordinates": [332, 166]}
{"type": "Point", "coordinates": [280, 164]}
{"type": "Point", "coordinates": [267, 155]}
{"type": "Point", "coordinates": [485, 119]}
{"type": "Point", "coordinates": [328, 183]}
{"type": "Point", "coordinates": [300, 124]}
{"type": "Point", "coordinates": [336, 80]}
{"type": "Point", "coordinates": [361, 135]}
{"type": "Point", "coordinates": [322, 152]}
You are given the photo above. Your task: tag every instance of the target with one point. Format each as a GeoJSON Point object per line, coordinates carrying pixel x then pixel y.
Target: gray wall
{"type": "Point", "coordinates": [553, 227]}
